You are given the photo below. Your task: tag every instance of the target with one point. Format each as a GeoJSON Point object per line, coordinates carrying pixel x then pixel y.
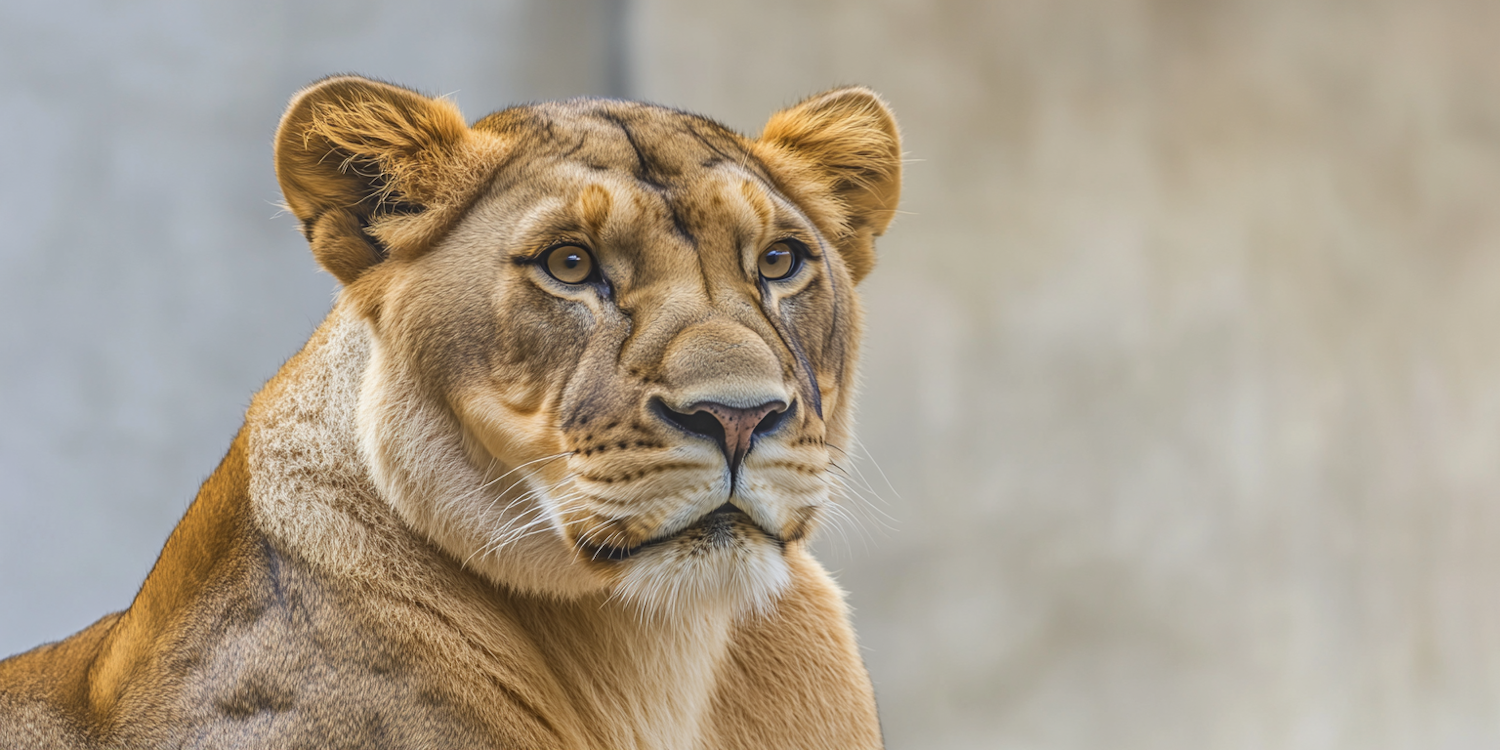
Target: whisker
{"type": "Point", "coordinates": [524, 476]}
{"type": "Point", "coordinates": [854, 464]}
{"type": "Point", "coordinates": [876, 464]}
{"type": "Point", "coordinates": [850, 492]}
{"type": "Point", "coordinates": [840, 517]}
{"type": "Point", "coordinates": [512, 532]}
{"type": "Point", "coordinates": [853, 492]}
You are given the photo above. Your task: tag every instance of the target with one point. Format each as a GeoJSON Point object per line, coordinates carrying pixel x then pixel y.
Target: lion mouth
{"type": "Point", "coordinates": [720, 527]}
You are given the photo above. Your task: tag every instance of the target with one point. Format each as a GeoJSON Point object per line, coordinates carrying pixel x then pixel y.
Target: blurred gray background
{"type": "Point", "coordinates": [1182, 364]}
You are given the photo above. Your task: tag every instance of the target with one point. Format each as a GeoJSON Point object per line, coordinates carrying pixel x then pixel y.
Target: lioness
{"type": "Point", "coordinates": [545, 476]}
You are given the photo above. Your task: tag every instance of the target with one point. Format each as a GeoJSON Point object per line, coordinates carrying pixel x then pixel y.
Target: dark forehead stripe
{"type": "Point", "coordinates": [649, 168]}
{"type": "Point", "coordinates": [719, 152]}
{"type": "Point", "coordinates": [651, 172]}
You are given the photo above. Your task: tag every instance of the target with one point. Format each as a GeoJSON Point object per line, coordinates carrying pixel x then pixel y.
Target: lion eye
{"type": "Point", "coordinates": [779, 261]}
{"type": "Point", "coordinates": [570, 264]}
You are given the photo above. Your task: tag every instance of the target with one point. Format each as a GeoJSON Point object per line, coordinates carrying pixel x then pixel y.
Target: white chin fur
{"type": "Point", "coordinates": [665, 581]}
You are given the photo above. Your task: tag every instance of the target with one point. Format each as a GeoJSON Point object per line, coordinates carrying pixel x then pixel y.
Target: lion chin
{"type": "Point", "coordinates": [722, 562]}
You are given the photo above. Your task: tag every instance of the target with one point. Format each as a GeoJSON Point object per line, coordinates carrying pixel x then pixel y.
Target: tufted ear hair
{"type": "Point", "coordinates": [841, 152]}
{"type": "Point", "coordinates": [372, 170]}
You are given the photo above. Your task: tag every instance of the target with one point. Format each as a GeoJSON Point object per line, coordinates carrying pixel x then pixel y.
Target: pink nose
{"type": "Point", "coordinates": [733, 428]}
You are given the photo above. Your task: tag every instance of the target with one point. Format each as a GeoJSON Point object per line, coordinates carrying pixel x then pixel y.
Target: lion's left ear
{"type": "Point", "coordinates": [845, 143]}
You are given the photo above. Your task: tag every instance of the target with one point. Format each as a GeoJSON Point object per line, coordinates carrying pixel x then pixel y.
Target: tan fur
{"type": "Point", "coordinates": [465, 514]}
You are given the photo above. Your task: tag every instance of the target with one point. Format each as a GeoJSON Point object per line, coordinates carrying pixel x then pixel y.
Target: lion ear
{"type": "Point", "coordinates": [846, 144]}
{"type": "Point", "coordinates": [373, 170]}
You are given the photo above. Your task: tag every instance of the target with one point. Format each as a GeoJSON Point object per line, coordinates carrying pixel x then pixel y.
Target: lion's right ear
{"type": "Point", "coordinates": [373, 170]}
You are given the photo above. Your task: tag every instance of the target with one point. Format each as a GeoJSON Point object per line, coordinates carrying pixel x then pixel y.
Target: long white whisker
{"type": "Point", "coordinates": [838, 519]}
{"type": "Point", "coordinates": [853, 464]}
{"type": "Point", "coordinates": [510, 532]}
{"type": "Point", "coordinates": [524, 476]}
{"type": "Point", "coordinates": [538, 492]}
{"type": "Point", "coordinates": [841, 519]}
{"type": "Point", "coordinates": [857, 489]}
{"type": "Point", "coordinates": [858, 502]}
{"type": "Point", "coordinates": [876, 464]}
{"type": "Point", "coordinates": [854, 504]}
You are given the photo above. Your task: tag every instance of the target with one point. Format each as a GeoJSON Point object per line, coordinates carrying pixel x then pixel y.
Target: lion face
{"type": "Point", "coordinates": [613, 342]}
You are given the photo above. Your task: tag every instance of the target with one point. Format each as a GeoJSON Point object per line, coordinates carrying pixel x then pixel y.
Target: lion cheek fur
{"type": "Point", "coordinates": [414, 449]}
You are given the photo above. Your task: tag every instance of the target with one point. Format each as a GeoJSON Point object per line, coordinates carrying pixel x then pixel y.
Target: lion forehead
{"type": "Point", "coordinates": [656, 144]}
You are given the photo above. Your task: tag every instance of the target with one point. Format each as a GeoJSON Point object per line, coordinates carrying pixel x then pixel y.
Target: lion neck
{"type": "Point", "coordinates": [624, 681]}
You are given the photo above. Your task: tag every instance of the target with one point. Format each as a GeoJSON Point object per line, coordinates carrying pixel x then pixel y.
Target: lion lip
{"type": "Point", "coordinates": [717, 525]}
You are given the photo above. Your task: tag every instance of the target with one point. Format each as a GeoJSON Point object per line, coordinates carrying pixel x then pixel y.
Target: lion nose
{"type": "Point", "coordinates": [733, 428]}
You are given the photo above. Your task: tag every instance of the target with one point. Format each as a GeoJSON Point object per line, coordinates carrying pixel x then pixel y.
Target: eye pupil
{"type": "Point", "coordinates": [570, 264]}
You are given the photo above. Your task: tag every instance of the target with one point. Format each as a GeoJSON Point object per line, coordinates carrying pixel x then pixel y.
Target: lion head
{"type": "Point", "coordinates": [613, 344]}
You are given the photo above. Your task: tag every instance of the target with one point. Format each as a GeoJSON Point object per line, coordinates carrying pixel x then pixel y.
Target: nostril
{"type": "Point", "coordinates": [698, 423]}
{"type": "Point", "coordinates": [773, 420]}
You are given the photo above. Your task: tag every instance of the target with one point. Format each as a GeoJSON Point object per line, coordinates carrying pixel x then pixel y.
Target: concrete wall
{"type": "Point", "coordinates": [1182, 365]}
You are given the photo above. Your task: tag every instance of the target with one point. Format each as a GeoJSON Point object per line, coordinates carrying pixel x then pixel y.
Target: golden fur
{"type": "Point", "coordinates": [486, 508]}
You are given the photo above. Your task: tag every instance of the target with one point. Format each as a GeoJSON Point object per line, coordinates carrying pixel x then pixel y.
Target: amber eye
{"type": "Point", "coordinates": [779, 261]}
{"type": "Point", "coordinates": [570, 264]}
